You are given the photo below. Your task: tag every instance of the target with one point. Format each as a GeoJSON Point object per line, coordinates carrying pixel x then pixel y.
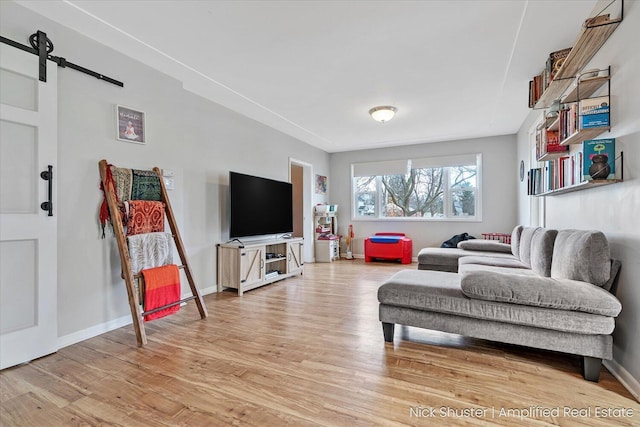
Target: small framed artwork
{"type": "Point", "coordinates": [321, 184]}
{"type": "Point", "coordinates": [130, 125]}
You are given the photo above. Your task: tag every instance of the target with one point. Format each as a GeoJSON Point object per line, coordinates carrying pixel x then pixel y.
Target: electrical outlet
{"type": "Point", "coordinates": [168, 183]}
{"type": "Point", "coordinates": [168, 173]}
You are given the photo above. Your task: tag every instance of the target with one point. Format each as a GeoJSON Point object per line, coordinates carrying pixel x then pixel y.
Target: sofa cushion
{"type": "Point", "coordinates": [542, 251]}
{"type": "Point", "coordinates": [515, 240]}
{"type": "Point", "coordinates": [581, 255]}
{"type": "Point", "coordinates": [485, 246]}
{"type": "Point", "coordinates": [441, 292]}
{"type": "Point", "coordinates": [535, 291]}
{"type": "Point", "coordinates": [491, 261]}
{"type": "Point", "coordinates": [526, 271]}
{"type": "Point", "coordinates": [524, 250]}
{"type": "Point", "coordinates": [449, 256]}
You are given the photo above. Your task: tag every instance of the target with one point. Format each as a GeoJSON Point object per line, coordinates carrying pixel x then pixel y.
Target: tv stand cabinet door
{"type": "Point", "coordinates": [251, 267]}
{"type": "Point", "coordinates": [294, 257]}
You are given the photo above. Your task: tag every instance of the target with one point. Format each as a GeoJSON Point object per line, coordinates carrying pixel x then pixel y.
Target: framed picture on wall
{"type": "Point", "coordinates": [130, 125]}
{"type": "Point", "coordinates": [321, 184]}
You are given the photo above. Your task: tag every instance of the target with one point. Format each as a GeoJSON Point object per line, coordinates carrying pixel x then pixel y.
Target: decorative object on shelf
{"type": "Point", "coordinates": [599, 159]}
{"type": "Point", "coordinates": [588, 74]}
{"type": "Point", "coordinates": [130, 125]}
{"type": "Point", "coordinates": [383, 113]}
{"type": "Point", "coordinates": [599, 169]}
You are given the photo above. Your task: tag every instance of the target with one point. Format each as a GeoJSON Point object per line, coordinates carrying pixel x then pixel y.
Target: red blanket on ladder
{"type": "Point", "coordinates": [161, 287]}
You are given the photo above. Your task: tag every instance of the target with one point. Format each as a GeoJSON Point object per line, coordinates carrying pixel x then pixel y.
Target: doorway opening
{"type": "Point", "coordinates": [300, 174]}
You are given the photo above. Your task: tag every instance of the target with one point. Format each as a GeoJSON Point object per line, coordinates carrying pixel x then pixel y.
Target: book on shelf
{"type": "Point", "coordinates": [594, 112]}
{"type": "Point", "coordinates": [540, 82]}
{"type": "Point", "coordinates": [536, 87]}
{"type": "Point", "coordinates": [568, 120]}
{"type": "Point", "coordinates": [553, 142]}
{"type": "Point", "coordinates": [562, 172]}
{"type": "Point", "coordinates": [599, 159]}
{"type": "Point", "coordinates": [555, 61]}
{"type": "Point", "coordinates": [577, 176]}
{"type": "Point", "coordinates": [534, 182]}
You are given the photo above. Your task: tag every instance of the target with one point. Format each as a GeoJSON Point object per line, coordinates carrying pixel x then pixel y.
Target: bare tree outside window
{"type": "Point", "coordinates": [428, 193]}
{"type": "Point", "coordinates": [417, 194]}
{"type": "Point", "coordinates": [463, 193]}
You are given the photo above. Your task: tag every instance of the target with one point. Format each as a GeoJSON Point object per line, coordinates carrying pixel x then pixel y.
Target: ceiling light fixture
{"type": "Point", "coordinates": [383, 113]}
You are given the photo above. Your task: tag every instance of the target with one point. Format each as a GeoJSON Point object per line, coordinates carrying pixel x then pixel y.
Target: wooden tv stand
{"type": "Point", "coordinates": [246, 266]}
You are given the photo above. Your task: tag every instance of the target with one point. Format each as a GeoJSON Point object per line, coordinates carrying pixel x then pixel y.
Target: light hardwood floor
{"type": "Point", "coordinates": [304, 351]}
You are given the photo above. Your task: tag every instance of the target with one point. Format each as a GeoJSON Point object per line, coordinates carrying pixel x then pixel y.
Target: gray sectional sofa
{"type": "Point", "coordinates": [549, 289]}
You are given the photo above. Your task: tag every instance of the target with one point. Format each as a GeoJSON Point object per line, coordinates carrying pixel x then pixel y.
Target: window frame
{"type": "Point", "coordinates": [447, 193]}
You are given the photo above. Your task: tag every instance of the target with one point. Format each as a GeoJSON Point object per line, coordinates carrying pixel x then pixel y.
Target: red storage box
{"type": "Point", "coordinates": [388, 246]}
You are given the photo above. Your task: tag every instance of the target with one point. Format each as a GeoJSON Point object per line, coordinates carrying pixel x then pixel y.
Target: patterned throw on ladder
{"type": "Point", "coordinates": [161, 287]}
{"type": "Point", "coordinates": [144, 216]}
{"type": "Point", "coordinates": [149, 250]}
{"type": "Point", "coordinates": [145, 186]}
{"type": "Point", "coordinates": [122, 177]}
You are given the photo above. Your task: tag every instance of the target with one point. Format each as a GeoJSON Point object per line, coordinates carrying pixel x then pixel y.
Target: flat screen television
{"type": "Point", "coordinates": [259, 206]}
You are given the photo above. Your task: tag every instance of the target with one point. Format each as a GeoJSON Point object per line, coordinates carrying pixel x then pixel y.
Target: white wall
{"type": "Point", "coordinates": [614, 209]}
{"type": "Point", "coordinates": [498, 196]}
{"type": "Point", "coordinates": [199, 140]}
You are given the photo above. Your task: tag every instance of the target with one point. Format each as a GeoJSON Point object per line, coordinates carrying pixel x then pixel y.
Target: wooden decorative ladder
{"type": "Point", "coordinates": [125, 260]}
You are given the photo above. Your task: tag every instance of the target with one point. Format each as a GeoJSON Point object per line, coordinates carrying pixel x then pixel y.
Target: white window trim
{"type": "Point", "coordinates": [447, 195]}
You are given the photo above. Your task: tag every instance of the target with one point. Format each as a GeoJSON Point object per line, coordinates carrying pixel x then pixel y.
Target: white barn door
{"type": "Point", "coordinates": [28, 235]}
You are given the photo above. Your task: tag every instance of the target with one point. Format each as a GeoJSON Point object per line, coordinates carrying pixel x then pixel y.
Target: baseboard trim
{"type": "Point", "coordinates": [207, 291]}
{"type": "Point", "coordinates": [111, 325]}
{"type": "Point", "coordinates": [625, 378]}
{"type": "Point", "coordinates": [93, 331]}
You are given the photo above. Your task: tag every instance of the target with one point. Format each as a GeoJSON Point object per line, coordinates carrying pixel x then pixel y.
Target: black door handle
{"type": "Point", "coordinates": [48, 176]}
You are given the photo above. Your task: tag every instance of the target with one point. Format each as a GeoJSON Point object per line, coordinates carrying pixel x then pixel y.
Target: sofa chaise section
{"type": "Point", "coordinates": [560, 303]}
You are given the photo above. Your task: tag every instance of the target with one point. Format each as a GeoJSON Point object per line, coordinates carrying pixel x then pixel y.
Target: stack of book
{"type": "Point", "coordinates": [568, 120]}
{"type": "Point", "coordinates": [540, 82]}
{"type": "Point", "coordinates": [548, 141]}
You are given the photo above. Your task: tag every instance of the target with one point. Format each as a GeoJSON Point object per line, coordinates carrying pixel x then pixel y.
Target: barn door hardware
{"type": "Point", "coordinates": [42, 46]}
{"type": "Point", "coordinates": [48, 176]}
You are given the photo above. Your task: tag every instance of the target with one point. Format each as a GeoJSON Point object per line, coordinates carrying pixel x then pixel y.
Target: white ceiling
{"type": "Point", "coordinates": [313, 69]}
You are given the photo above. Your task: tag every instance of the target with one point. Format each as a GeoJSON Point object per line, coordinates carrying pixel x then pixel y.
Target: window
{"type": "Point", "coordinates": [422, 189]}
